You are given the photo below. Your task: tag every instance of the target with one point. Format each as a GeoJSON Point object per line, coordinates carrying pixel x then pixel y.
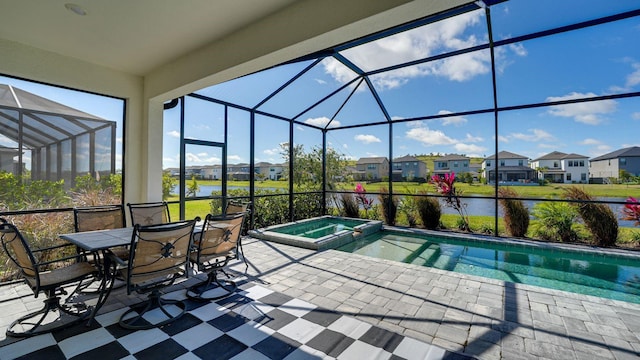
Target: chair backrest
{"type": "Point", "coordinates": [240, 207]}
{"type": "Point", "coordinates": [19, 252]}
{"type": "Point", "coordinates": [159, 254]}
{"type": "Point", "coordinates": [99, 218]}
{"type": "Point", "coordinates": [220, 234]}
{"type": "Point", "coordinates": [149, 213]}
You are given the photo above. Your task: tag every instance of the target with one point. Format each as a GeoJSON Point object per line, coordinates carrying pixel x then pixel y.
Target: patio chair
{"type": "Point", "coordinates": [214, 249]}
{"type": "Point", "coordinates": [101, 218]}
{"type": "Point", "coordinates": [159, 256]}
{"type": "Point", "coordinates": [42, 276]}
{"type": "Point", "coordinates": [247, 208]}
{"type": "Point", "coordinates": [149, 213]}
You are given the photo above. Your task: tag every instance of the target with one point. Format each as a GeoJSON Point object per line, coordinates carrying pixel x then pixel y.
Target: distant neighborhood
{"type": "Point", "coordinates": [506, 167]}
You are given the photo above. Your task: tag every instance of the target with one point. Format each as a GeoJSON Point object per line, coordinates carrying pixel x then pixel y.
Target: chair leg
{"type": "Point", "coordinates": [34, 323]}
{"type": "Point", "coordinates": [199, 291]}
{"type": "Point", "coordinates": [154, 301]}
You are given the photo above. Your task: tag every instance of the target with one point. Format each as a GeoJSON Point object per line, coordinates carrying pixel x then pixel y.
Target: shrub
{"type": "Point", "coordinates": [388, 205]}
{"type": "Point", "coordinates": [408, 207]}
{"type": "Point", "coordinates": [555, 221]}
{"type": "Point", "coordinates": [350, 207]}
{"type": "Point", "coordinates": [598, 218]}
{"type": "Point", "coordinates": [516, 215]}
{"type": "Point", "coordinates": [429, 211]}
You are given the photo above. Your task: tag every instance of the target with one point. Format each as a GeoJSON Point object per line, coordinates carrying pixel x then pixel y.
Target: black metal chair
{"type": "Point", "coordinates": [149, 213]}
{"type": "Point", "coordinates": [159, 255]}
{"type": "Point", "coordinates": [101, 218]}
{"type": "Point", "coordinates": [43, 276]}
{"type": "Point", "coordinates": [215, 247]}
{"type": "Point", "coordinates": [246, 207]}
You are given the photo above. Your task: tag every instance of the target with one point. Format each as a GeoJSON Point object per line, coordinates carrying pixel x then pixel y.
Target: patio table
{"type": "Point", "coordinates": [99, 242]}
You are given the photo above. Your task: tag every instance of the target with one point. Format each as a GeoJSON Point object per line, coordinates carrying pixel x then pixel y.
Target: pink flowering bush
{"type": "Point", "coordinates": [363, 199]}
{"type": "Point", "coordinates": [631, 210]}
{"type": "Point", "coordinates": [446, 186]}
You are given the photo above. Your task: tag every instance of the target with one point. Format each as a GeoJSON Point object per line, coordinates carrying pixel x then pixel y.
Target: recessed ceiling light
{"type": "Point", "coordinates": [76, 9]}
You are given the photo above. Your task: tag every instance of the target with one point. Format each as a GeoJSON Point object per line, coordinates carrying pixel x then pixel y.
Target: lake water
{"type": "Point", "coordinates": [475, 206]}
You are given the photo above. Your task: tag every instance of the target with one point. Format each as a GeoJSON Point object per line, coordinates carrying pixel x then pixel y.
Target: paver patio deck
{"type": "Point", "coordinates": [479, 317]}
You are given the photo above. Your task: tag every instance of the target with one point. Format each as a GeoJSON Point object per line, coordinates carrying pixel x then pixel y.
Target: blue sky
{"type": "Point", "coordinates": [590, 62]}
{"type": "Point", "coordinates": [595, 61]}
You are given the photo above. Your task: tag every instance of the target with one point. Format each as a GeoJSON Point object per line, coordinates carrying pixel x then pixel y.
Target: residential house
{"type": "Point", "coordinates": [269, 170]}
{"type": "Point", "coordinates": [452, 163]}
{"type": "Point", "coordinates": [510, 168]}
{"type": "Point", "coordinates": [609, 165]}
{"type": "Point", "coordinates": [373, 168]}
{"type": "Point", "coordinates": [409, 168]}
{"type": "Point", "coordinates": [559, 167]}
{"type": "Point", "coordinates": [7, 159]}
{"type": "Point", "coordinates": [238, 172]}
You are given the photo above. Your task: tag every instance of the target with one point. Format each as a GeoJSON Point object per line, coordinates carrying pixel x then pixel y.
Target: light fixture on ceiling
{"type": "Point", "coordinates": [76, 9]}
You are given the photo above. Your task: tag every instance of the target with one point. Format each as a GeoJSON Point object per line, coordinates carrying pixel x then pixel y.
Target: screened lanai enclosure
{"type": "Point", "coordinates": [528, 90]}
{"type": "Point", "coordinates": [45, 140]}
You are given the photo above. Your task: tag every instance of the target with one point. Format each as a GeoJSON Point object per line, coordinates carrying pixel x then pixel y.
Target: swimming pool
{"type": "Point", "coordinates": [319, 233]}
{"type": "Point", "coordinates": [585, 271]}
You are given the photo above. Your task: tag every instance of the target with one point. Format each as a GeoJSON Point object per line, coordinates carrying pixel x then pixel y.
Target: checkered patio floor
{"type": "Point", "coordinates": [255, 323]}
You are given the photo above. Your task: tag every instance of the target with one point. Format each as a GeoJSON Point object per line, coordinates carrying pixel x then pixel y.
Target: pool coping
{"type": "Point", "coordinates": [330, 241]}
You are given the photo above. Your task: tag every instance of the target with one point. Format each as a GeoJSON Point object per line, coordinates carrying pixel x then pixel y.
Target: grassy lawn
{"type": "Point", "coordinates": [547, 191]}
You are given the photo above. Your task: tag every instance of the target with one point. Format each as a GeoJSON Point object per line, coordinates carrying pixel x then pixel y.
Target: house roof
{"type": "Point", "coordinates": [449, 157]}
{"type": "Point", "coordinates": [506, 155]}
{"type": "Point", "coordinates": [372, 160]}
{"type": "Point", "coordinates": [575, 156]}
{"type": "Point", "coordinates": [406, 158]}
{"type": "Point", "coordinates": [626, 152]}
{"type": "Point", "coordinates": [554, 155]}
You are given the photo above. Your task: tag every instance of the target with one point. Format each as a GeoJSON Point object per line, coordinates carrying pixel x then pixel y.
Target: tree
{"type": "Point", "coordinates": [193, 187]}
{"type": "Point", "coordinates": [168, 183]}
{"type": "Point", "coordinates": [307, 170]}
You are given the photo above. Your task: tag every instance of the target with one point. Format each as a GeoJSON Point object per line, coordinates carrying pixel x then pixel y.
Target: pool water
{"type": "Point", "coordinates": [319, 227]}
{"type": "Point", "coordinates": [613, 277]}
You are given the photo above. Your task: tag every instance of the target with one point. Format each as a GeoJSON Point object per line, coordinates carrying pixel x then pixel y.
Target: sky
{"type": "Point", "coordinates": [595, 61]}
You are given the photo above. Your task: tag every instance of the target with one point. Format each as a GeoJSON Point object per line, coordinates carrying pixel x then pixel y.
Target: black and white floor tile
{"type": "Point", "coordinates": [255, 323]}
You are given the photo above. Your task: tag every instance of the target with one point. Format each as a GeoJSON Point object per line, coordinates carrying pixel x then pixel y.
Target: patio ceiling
{"type": "Point", "coordinates": [130, 36]}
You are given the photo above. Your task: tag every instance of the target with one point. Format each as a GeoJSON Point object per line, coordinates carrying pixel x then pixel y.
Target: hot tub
{"type": "Point", "coordinates": [319, 233]}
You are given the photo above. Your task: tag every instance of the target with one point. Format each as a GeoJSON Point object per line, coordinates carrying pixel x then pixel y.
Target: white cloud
{"type": "Point", "coordinates": [633, 79]}
{"type": "Point", "coordinates": [533, 136]}
{"type": "Point", "coordinates": [635, 116]}
{"type": "Point", "coordinates": [429, 137]}
{"type": "Point", "coordinates": [518, 49]}
{"type": "Point", "coordinates": [590, 142]}
{"type": "Point", "coordinates": [320, 81]}
{"type": "Point", "coordinates": [271, 152]}
{"type": "Point", "coordinates": [174, 133]}
{"type": "Point", "coordinates": [452, 120]}
{"type": "Point", "coordinates": [322, 122]}
{"type": "Point", "coordinates": [439, 37]}
{"type": "Point", "coordinates": [470, 149]}
{"type": "Point", "coordinates": [586, 112]}
{"type": "Point", "coordinates": [471, 138]}
{"type": "Point", "coordinates": [397, 118]}
{"type": "Point", "coordinates": [367, 139]}
{"type": "Point", "coordinates": [234, 158]}
{"type": "Point", "coordinates": [119, 140]}
{"type": "Point", "coordinates": [202, 159]}
{"type": "Point", "coordinates": [503, 139]}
